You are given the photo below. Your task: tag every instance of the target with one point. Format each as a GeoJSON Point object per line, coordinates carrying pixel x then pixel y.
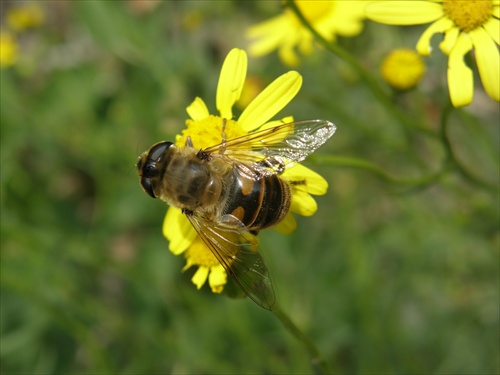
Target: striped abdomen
{"type": "Point", "coordinates": [258, 204]}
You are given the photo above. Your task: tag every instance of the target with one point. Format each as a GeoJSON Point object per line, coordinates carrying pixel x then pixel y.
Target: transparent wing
{"type": "Point", "coordinates": [237, 250]}
{"type": "Point", "coordinates": [273, 149]}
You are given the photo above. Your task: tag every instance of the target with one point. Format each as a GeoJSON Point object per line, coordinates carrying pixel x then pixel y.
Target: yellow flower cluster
{"type": "Point", "coordinates": [468, 25]}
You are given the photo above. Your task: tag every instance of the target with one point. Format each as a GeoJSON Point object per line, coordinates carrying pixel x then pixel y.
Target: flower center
{"type": "Point", "coordinates": [468, 14]}
{"type": "Point", "coordinates": [208, 132]}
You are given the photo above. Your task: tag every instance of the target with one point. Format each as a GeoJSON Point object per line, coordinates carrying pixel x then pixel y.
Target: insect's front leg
{"type": "Point", "coordinates": [189, 142]}
{"type": "Point", "coordinates": [223, 136]}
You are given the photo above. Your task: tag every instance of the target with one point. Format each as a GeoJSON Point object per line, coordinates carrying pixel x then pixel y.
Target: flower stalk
{"type": "Point", "coordinates": [318, 363]}
{"type": "Point", "coordinates": [346, 161]}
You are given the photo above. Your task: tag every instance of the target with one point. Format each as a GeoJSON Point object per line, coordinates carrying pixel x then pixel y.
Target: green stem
{"type": "Point", "coordinates": [317, 361]}
{"type": "Point", "coordinates": [450, 161]}
{"type": "Point", "coordinates": [346, 161]}
{"type": "Point", "coordinates": [373, 85]}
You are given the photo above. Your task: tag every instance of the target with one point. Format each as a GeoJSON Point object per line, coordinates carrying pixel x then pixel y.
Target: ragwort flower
{"type": "Point", "coordinates": [206, 130]}
{"type": "Point", "coordinates": [285, 32]}
{"type": "Point", "coordinates": [467, 25]}
{"type": "Point", "coordinates": [402, 68]}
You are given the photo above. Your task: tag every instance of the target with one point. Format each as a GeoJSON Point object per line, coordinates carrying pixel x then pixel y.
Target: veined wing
{"type": "Point", "coordinates": [273, 149]}
{"type": "Point", "coordinates": [237, 251]}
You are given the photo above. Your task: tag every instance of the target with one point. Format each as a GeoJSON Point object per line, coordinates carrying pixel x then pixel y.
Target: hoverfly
{"type": "Point", "coordinates": [232, 190]}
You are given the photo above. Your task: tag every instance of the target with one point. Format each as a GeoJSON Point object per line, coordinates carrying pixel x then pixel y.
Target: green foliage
{"type": "Point", "coordinates": [396, 273]}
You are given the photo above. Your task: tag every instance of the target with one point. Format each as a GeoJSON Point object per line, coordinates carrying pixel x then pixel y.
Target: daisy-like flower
{"type": "Point", "coordinates": [206, 130]}
{"type": "Point", "coordinates": [285, 32]}
{"type": "Point", "coordinates": [402, 68]}
{"type": "Point", "coordinates": [467, 25]}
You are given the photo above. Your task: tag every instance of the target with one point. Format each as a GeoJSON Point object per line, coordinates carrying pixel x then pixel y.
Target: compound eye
{"type": "Point", "coordinates": [147, 186]}
{"type": "Point", "coordinates": [156, 152]}
{"type": "Point", "coordinates": [149, 170]}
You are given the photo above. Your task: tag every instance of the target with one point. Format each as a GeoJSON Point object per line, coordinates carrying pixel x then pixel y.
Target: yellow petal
{"type": "Point", "coordinates": [178, 230]}
{"type": "Point", "coordinates": [404, 12]}
{"type": "Point", "coordinates": [276, 138]}
{"type": "Point", "coordinates": [302, 203]}
{"type": "Point", "coordinates": [496, 10]}
{"type": "Point", "coordinates": [268, 34]}
{"type": "Point", "coordinates": [200, 276]}
{"type": "Point", "coordinates": [440, 26]}
{"type": "Point", "coordinates": [460, 78]}
{"type": "Point", "coordinates": [217, 278]}
{"type": "Point", "coordinates": [231, 81]}
{"type": "Point", "coordinates": [265, 45]}
{"type": "Point", "coordinates": [492, 26]}
{"type": "Point", "coordinates": [267, 27]}
{"type": "Point", "coordinates": [272, 124]}
{"type": "Point", "coordinates": [314, 183]}
{"type": "Point", "coordinates": [198, 110]}
{"type": "Point", "coordinates": [287, 225]}
{"type": "Point", "coordinates": [287, 54]}
{"type": "Point", "coordinates": [306, 43]}
{"type": "Point", "coordinates": [198, 253]}
{"type": "Point", "coordinates": [270, 101]}
{"type": "Point", "coordinates": [488, 63]}
{"type": "Point", "coordinates": [450, 38]}
{"type": "Point", "coordinates": [346, 18]}
{"type": "Point", "coordinates": [189, 263]}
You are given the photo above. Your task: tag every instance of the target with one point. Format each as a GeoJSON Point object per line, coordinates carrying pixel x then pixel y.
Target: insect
{"type": "Point", "coordinates": [232, 190]}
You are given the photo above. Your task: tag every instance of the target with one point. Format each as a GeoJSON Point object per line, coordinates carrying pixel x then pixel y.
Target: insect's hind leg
{"type": "Point", "coordinates": [276, 164]}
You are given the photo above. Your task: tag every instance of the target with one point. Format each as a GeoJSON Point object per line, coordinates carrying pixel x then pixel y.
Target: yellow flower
{"type": "Point", "coordinates": [466, 24]}
{"type": "Point", "coordinates": [25, 16]}
{"type": "Point", "coordinates": [206, 130]}
{"type": "Point", "coordinates": [8, 49]}
{"type": "Point", "coordinates": [285, 32]}
{"type": "Point", "coordinates": [402, 69]}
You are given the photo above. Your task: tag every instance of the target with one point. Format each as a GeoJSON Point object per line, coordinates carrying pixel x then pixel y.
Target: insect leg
{"type": "Point", "coordinates": [276, 164]}
{"type": "Point", "coordinates": [223, 135]}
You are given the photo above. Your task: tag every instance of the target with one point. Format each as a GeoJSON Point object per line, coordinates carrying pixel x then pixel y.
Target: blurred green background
{"type": "Point", "coordinates": [385, 278]}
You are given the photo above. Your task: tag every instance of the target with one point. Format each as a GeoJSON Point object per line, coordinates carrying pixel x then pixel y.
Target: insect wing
{"type": "Point", "coordinates": [237, 250]}
{"type": "Point", "coordinates": [275, 148]}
